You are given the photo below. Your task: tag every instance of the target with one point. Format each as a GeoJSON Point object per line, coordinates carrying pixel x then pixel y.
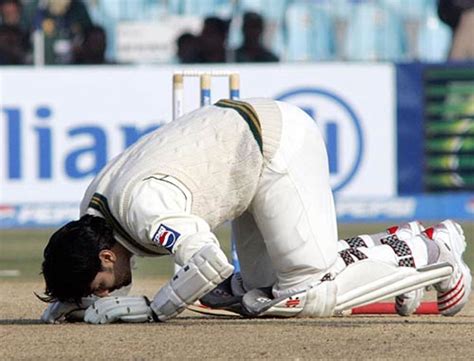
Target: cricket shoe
{"type": "Point", "coordinates": [453, 293]}
{"type": "Point", "coordinates": [407, 303]}
{"type": "Point", "coordinates": [407, 230]}
{"type": "Point", "coordinates": [224, 300]}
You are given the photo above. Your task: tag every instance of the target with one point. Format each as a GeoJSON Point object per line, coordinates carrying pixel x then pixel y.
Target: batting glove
{"type": "Point", "coordinates": [124, 309]}
{"type": "Point", "coordinates": [60, 312]}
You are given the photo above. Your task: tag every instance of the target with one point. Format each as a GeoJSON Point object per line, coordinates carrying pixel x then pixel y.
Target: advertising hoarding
{"type": "Point", "coordinates": [59, 126]}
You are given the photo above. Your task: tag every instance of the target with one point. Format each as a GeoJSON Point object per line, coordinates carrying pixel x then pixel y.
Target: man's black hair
{"type": "Point", "coordinates": [16, 2]}
{"type": "Point", "coordinates": [71, 258]}
{"type": "Point", "coordinates": [220, 25]}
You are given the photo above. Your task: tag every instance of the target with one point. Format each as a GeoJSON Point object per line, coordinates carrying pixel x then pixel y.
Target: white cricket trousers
{"type": "Point", "coordinates": [288, 236]}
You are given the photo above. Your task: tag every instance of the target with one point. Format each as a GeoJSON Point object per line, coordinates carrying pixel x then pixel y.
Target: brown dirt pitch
{"type": "Point", "coordinates": [194, 336]}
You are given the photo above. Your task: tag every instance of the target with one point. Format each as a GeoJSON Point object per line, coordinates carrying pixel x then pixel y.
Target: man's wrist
{"type": "Point", "coordinates": [153, 314]}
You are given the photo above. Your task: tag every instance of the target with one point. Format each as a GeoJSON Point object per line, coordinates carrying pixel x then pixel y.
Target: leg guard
{"type": "Point", "coordinates": [204, 271]}
{"type": "Point", "coordinates": [361, 283]}
{"type": "Point", "coordinates": [317, 300]}
{"type": "Point", "coordinates": [369, 281]}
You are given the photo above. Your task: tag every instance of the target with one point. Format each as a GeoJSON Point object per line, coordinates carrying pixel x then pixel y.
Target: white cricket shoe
{"type": "Point", "coordinates": [454, 292]}
{"type": "Point", "coordinates": [407, 303]}
{"type": "Point", "coordinates": [407, 230]}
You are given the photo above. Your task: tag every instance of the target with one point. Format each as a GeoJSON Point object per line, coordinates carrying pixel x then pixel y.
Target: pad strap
{"type": "Point", "coordinates": [401, 249]}
{"type": "Point", "coordinates": [355, 242]}
{"type": "Point", "coordinates": [347, 255]}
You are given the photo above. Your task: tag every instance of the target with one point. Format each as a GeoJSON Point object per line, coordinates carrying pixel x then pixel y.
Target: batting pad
{"type": "Point", "coordinates": [369, 281]}
{"type": "Point", "coordinates": [206, 269]}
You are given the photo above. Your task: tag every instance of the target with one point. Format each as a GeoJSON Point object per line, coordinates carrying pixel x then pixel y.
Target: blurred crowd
{"type": "Point", "coordinates": [68, 35]}
{"type": "Point", "coordinates": [210, 46]}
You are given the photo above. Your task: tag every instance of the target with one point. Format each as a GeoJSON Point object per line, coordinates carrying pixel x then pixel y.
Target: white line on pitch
{"type": "Point", "coordinates": [9, 273]}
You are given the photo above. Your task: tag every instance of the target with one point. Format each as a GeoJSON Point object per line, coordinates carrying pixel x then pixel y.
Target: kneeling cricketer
{"type": "Point", "coordinates": [262, 165]}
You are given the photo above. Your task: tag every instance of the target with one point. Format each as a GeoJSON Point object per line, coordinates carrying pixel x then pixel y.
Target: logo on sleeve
{"type": "Point", "coordinates": [166, 237]}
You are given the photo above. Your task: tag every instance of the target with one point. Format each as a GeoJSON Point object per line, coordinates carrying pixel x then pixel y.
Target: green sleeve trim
{"type": "Point", "coordinates": [100, 203]}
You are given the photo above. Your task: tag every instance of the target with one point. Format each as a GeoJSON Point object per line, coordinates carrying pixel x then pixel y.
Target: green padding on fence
{"type": "Point", "coordinates": [465, 88]}
{"type": "Point", "coordinates": [450, 74]}
{"type": "Point", "coordinates": [464, 127]}
{"type": "Point", "coordinates": [450, 180]}
{"type": "Point", "coordinates": [459, 109]}
{"type": "Point", "coordinates": [451, 162]}
{"type": "Point", "coordinates": [452, 144]}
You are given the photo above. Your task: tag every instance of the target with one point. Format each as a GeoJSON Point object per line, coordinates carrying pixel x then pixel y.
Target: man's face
{"type": "Point", "coordinates": [103, 283]}
{"type": "Point", "coordinates": [116, 273]}
{"type": "Point", "coordinates": [11, 13]}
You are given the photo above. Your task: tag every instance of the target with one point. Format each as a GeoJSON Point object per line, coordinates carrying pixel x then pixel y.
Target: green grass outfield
{"type": "Point", "coordinates": [21, 251]}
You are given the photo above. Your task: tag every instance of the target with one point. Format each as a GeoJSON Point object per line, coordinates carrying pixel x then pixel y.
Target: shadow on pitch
{"type": "Point", "coordinates": [264, 322]}
{"type": "Point", "coordinates": [353, 322]}
{"type": "Point", "coordinates": [23, 321]}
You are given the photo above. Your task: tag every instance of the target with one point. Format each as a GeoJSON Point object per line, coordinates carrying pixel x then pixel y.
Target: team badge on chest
{"type": "Point", "coordinates": [166, 237]}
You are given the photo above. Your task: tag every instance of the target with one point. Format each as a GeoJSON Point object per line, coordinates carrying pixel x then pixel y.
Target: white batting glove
{"type": "Point", "coordinates": [125, 309]}
{"type": "Point", "coordinates": [60, 312]}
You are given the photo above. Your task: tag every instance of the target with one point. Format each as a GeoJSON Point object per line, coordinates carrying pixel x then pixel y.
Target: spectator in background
{"type": "Point", "coordinates": [11, 14]}
{"type": "Point", "coordinates": [459, 15]}
{"type": "Point", "coordinates": [213, 40]}
{"type": "Point", "coordinates": [12, 47]}
{"type": "Point", "coordinates": [92, 49]}
{"type": "Point", "coordinates": [188, 49]}
{"type": "Point", "coordinates": [63, 23]}
{"type": "Point", "coordinates": [252, 49]}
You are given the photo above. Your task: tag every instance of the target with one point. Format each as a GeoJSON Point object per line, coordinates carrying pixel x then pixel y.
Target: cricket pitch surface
{"type": "Point", "coordinates": [195, 336]}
